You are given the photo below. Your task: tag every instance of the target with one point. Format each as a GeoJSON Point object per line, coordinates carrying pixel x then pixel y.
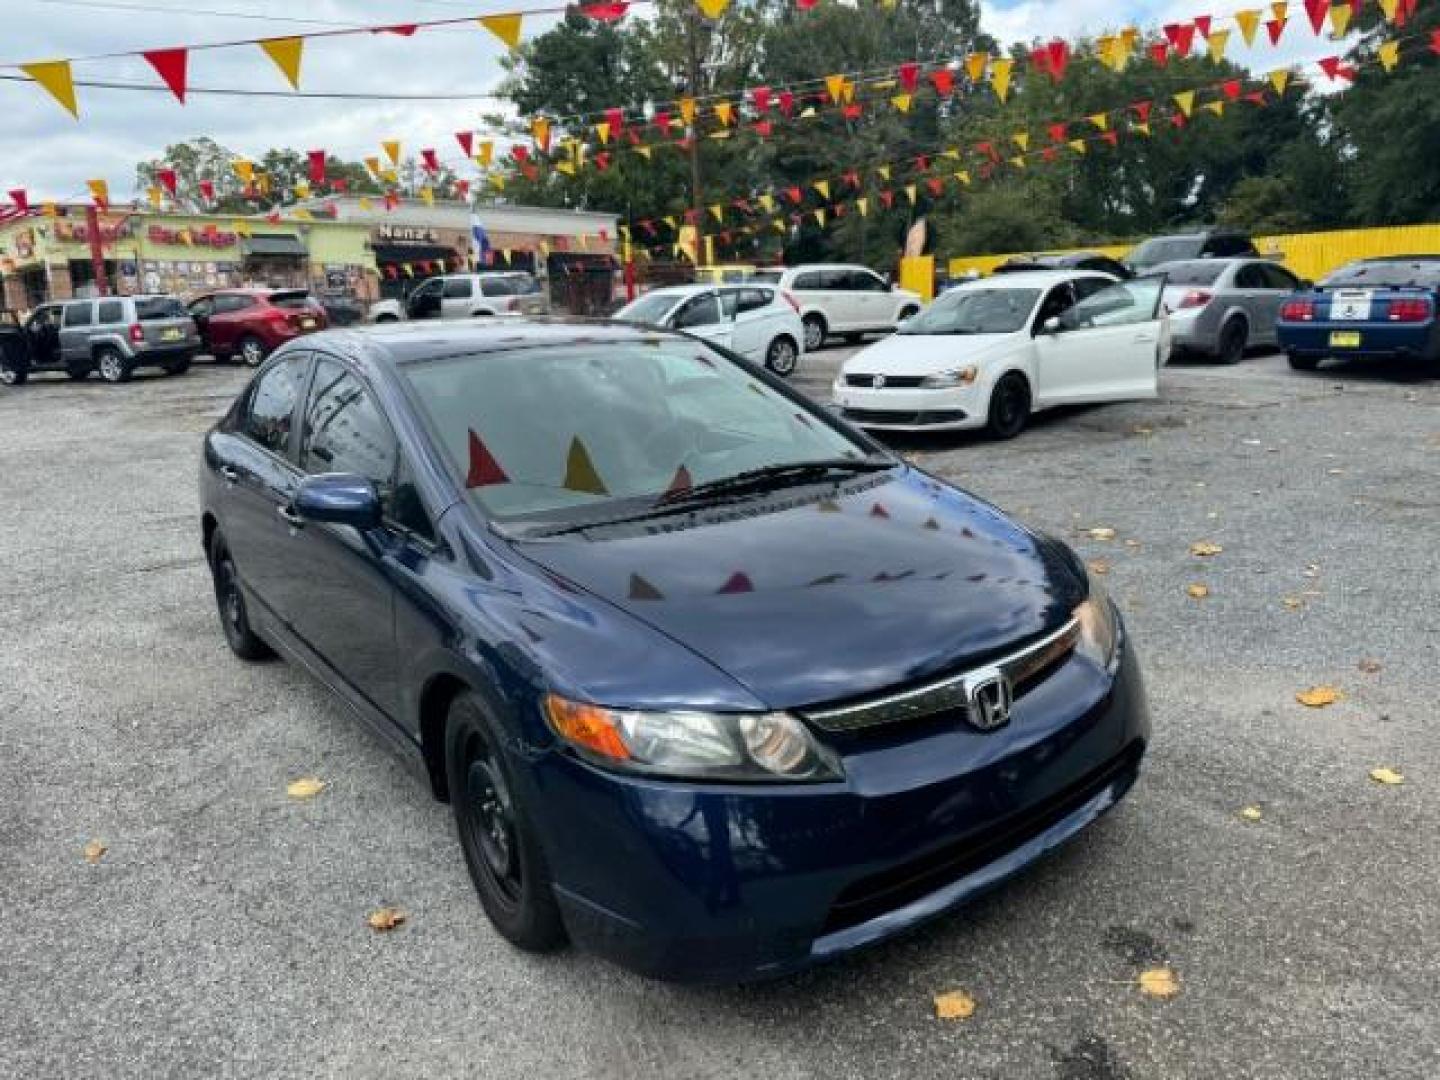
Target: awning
{"type": "Point", "coordinates": [386, 254]}
{"type": "Point", "coordinates": [274, 244]}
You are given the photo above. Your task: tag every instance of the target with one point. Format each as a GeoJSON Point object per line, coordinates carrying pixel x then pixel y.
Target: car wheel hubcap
{"type": "Point", "coordinates": [252, 353]}
{"type": "Point", "coordinates": [7, 376]}
{"type": "Point", "coordinates": [491, 824]}
{"type": "Point", "coordinates": [813, 335]}
{"type": "Point", "coordinates": [110, 367]}
{"type": "Point", "coordinates": [231, 609]}
{"type": "Point", "coordinates": [782, 357]}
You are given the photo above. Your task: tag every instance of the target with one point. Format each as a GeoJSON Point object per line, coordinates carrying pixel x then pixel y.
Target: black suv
{"type": "Point", "coordinates": [1186, 246]}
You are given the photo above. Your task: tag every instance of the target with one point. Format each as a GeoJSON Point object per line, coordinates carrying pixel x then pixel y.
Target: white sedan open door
{"type": "Point", "coordinates": [1108, 347]}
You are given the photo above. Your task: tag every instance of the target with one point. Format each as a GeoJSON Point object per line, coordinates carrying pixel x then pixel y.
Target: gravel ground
{"type": "Point", "coordinates": [222, 933]}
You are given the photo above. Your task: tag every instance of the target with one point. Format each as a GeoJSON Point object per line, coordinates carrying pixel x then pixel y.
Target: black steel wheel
{"type": "Point", "coordinates": [1009, 406]}
{"type": "Point", "coordinates": [1231, 346]}
{"type": "Point", "coordinates": [230, 602]}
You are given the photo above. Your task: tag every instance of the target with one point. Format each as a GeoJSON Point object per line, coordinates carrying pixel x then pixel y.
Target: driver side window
{"type": "Point", "coordinates": [1122, 304]}
{"type": "Point", "coordinates": [699, 311]}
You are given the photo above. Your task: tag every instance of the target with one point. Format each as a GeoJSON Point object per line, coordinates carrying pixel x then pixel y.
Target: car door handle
{"type": "Point", "coordinates": [230, 474]}
{"type": "Point", "coordinates": [290, 517]}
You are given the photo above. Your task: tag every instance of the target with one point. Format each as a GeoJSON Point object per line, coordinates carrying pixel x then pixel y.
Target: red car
{"type": "Point", "coordinates": [251, 323]}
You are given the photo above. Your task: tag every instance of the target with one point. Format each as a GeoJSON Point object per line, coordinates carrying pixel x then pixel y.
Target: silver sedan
{"type": "Point", "coordinates": [1221, 307]}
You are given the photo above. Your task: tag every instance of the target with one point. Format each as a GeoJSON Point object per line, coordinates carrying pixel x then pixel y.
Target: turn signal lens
{"type": "Point", "coordinates": [586, 726]}
{"type": "Point", "coordinates": [1099, 627]}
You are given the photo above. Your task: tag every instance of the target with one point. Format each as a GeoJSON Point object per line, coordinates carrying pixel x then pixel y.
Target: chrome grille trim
{"type": "Point", "coordinates": [1020, 667]}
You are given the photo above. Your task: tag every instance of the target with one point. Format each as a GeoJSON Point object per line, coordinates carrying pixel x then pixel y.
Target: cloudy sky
{"type": "Point", "coordinates": [44, 150]}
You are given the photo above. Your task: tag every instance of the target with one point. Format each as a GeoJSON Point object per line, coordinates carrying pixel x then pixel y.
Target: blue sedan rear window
{"type": "Point", "coordinates": [1423, 273]}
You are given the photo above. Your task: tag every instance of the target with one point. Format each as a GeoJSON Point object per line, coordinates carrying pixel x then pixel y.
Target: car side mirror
{"type": "Point", "coordinates": [1052, 325]}
{"type": "Point", "coordinates": [339, 499]}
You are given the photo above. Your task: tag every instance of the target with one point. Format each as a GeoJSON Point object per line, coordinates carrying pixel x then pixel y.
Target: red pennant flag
{"type": "Point", "coordinates": [763, 128]}
{"type": "Point", "coordinates": [795, 195]}
{"type": "Point", "coordinates": [484, 469]}
{"type": "Point", "coordinates": [605, 12]}
{"type": "Point", "coordinates": [1257, 97]}
{"type": "Point", "coordinates": [167, 179]}
{"type": "Point", "coordinates": [1336, 68]}
{"type": "Point", "coordinates": [922, 163]}
{"type": "Point", "coordinates": [1181, 37]}
{"type": "Point", "coordinates": [806, 5]}
{"type": "Point", "coordinates": [462, 188]}
{"type": "Point", "coordinates": [988, 149]}
{"type": "Point", "coordinates": [739, 582]}
{"type": "Point", "coordinates": [1160, 53]}
{"type": "Point", "coordinates": [936, 185]}
{"type": "Point", "coordinates": [432, 163]}
{"type": "Point", "coordinates": [1317, 10]}
{"type": "Point", "coordinates": [1059, 52]}
{"type": "Point", "coordinates": [1058, 132]}
{"type": "Point", "coordinates": [1112, 137]}
{"type": "Point", "coordinates": [944, 81]}
{"type": "Point", "coordinates": [402, 29]}
{"type": "Point", "coordinates": [170, 65]}
{"type": "Point", "coordinates": [851, 111]}
{"type": "Point", "coordinates": [888, 198]}
{"type": "Point", "coordinates": [1231, 88]}
{"type": "Point", "coordinates": [681, 482]}
{"type": "Point", "coordinates": [1048, 154]}
{"type": "Point", "coordinates": [909, 77]}
{"type": "Point", "coordinates": [662, 121]}
{"type": "Point", "coordinates": [1275, 27]}
{"type": "Point", "coordinates": [1202, 23]}
{"type": "Point", "coordinates": [879, 511]}
{"type": "Point", "coordinates": [1142, 110]}
{"type": "Point", "coordinates": [1435, 41]}
{"type": "Point", "coordinates": [207, 190]}
{"type": "Point", "coordinates": [518, 152]}
{"type": "Point", "coordinates": [1177, 119]}
{"type": "Point", "coordinates": [466, 139]}
{"type": "Point", "coordinates": [853, 179]}
{"type": "Point", "coordinates": [20, 199]}
{"type": "Point", "coordinates": [273, 217]}
{"type": "Point", "coordinates": [761, 97]}
{"type": "Point", "coordinates": [616, 119]}
{"type": "Point", "coordinates": [317, 166]}
{"type": "Point", "coordinates": [787, 103]}
{"type": "Point", "coordinates": [340, 186]}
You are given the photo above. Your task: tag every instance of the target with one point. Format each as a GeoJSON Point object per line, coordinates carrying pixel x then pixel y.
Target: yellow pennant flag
{"type": "Point", "coordinates": [1389, 54]}
{"type": "Point", "coordinates": [1000, 77]}
{"type": "Point", "coordinates": [1216, 107]}
{"type": "Point", "coordinates": [1185, 101]}
{"type": "Point", "coordinates": [1100, 120]}
{"type": "Point", "coordinates": [504, 27]}
{"type": "Point", "coordinates": [778, 224]}
{"type": "Point", "coordinates": [884, 171]}
{"type": "Point", "coordinates": [767, 201]}
{"type": "Point", "coordinates": [303, 214]}
{"type": "Point", "coordinates": [602, 130]}
{"type": "Point", "coordinates": [242, 228]}
{"type": "Point", "coordinates": [713, 9]}
{"type": "Point", "coordinates": [975, 65]}
{"type": "Point", "coordinates": [99, 190]}
{"type": "Point", "coordinates": [1105, 51]}
{"type": "Point", "coordinates": [1280, 10]}
{"type": "Point", "coordinates": [1248, 21]}
{"type": "Point", "coordinates": [390, 176]}
{"type": "Point", "coordinates": [672, 221]}
{"type": "Point", "coordinates": [1142, 126]}
{"type": "Point", "coordinates": [485, 154]}
{"type": "Point", "coordinates": [365, 203]}
{"type": "Point", "coordinates": [1388, 9]}
{"type": "Point", "coordinates": [963, 177]}
{"type": "Point", "coordinates": [1018, 162]}
{"type": "Point", "coordinates": [566, 167]}
{"type": "Point", "coordinates": [153, 194]}
{"type": "Point", "coordinates": [540, 132]}
{"type": "Point", "coordinates": [901, 102]}
{"type": "Point", "coordinates": [373, 164]}
{"type": "Point", "coordinates": [718, 210]}
{"type": "Point", "coordinates": [862, 205]}
{"type": "Point", "coordinates": [50, 209]}
{"type": "Point", "coordinates": [392, 150]}
{"type": "Point", "coordinates": [1339, 19]}
{"type": "Point", "coordinates": [835, 87]}
{"type": "Point", "coordinates": [428, 194]}
{"type": "Point", "coordinates": [245, 170]}
{"type": "Point", "coordinates": [1021, 139]}
{"type": "Point", "coordinates": [1279, 79]}
{"type": "Point", "coordinates": [55, 77]}
{"type": "Point", "coordinates": [286, 52]}
{"type": "Point", "coordinates": [911, 193]}
{"type": "Point", "coordinates": [1078, 145]}
{"type": "Point", "coordinates": [819, 216]}
{"type": "Point", "coordinates": [1218, 40]}
{"type": "Point", "coordinates": [951, 152]}
{"type": "Point", "coordinates": [687, 111]}
{"type": "Point", "coordinates": [823, 187]}
{"type": "Point", "coordinates": [498, 181]}
{"type": "Point", "coordinates": [1128, 37]}
{"type": "Point", "coordinates": [302, 190]}
{"type": "Point", "coordinates": [643, 151]}
{"type": "Point", "coordinates": [724, 112]}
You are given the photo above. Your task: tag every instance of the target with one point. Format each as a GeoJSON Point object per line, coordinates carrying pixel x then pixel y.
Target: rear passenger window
{"type": "Point", "coordinates": [269, 416]}
{"type": "Point", "coordinates": [1280, 278]}
{"type": "Point", "coordinates": [111, 312]}
{"type": "Point", "coordinates": [808, 281]}
{"type": "Point", "coordinates": [77, 314]}
{"type": "Point", "coordinates": [753, 299]}
{"type": "Point", "coordinates": [458, 289]}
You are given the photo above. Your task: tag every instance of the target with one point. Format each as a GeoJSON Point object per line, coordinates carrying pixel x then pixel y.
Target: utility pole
{"type": "Point", "coordinates": [97, 252]}
{"type": "Point", "coordinates": [692, 56]}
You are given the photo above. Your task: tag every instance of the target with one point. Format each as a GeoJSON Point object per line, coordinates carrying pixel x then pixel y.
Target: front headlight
{"type": "Point", "coordinates": [694, 745]}
{"type": "Point", "coordinates": [1099, 627]}
{"type": "Point", "coordinates": [948, 380]}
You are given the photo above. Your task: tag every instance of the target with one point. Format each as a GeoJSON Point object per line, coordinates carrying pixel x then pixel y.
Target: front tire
{"type": "Point", "coordinates": [14, 374]}
{"type": "Point", "coordinates": [501, 850]}
{"type": "Point", "coordinates": [782, 357]}
{"type": "Point", "coordinates": [1230, 349]}
{"type": "Point", "coordinates": [1009, 406]}
{"type": "Point", "coordinates": [1303, 363]}
{"type": "Point", "coordinates": [815, 330]}
{"type": "Point", "coordinates": [230, 601]}
{"type": "Point", "coordinates": [113, 365]}
{"type": "Point", "coordinates": [252, 351]}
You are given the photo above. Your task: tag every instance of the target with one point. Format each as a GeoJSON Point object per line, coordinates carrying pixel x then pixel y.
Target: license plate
{"type": "Point", "coordinates": [1344, 339]}
{"type": "Point", "coordinates": [307, 324]}
{"type": "Point", "coordinates": [170, 335]}
{"type": "Point", "coordinates": [1350, 305]}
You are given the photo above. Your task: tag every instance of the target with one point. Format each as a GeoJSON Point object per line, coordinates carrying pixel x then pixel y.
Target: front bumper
{"type": "Point", "coordinates": [954, 409]}
{"type": "Point", "coordinates": [729, 883]}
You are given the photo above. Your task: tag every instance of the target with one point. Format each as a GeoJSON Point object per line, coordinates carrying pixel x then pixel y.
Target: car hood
{"type": "Point", "coordinates": [926, 354]}
{"type": "Point", "coordinates": [829, 598]}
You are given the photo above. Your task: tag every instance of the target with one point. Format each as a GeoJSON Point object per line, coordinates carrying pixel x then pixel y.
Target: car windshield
{"type": "Point", "coordinates": [586, 431]}
{"type": "Point", "coordinates": [1153, 252]}
{"type": "Point", "coordinates": [1193, 273]}
{"type": "Point", "coordinates": [1391, 272]}
{"type": "Point", "coordinates": [648, 309]}
{"type": "Point", "coordinates": [970, 310]}
{"type": "Point", "coordinates": [151, 308]}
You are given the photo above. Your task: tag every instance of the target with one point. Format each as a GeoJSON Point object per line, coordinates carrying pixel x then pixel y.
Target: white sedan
{"type": "Point", "coordinates": [989, 353]}
{"type": "Point", "coordinates": [760, 322]}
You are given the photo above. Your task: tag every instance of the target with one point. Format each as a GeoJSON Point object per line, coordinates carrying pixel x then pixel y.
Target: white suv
{"type": "Point", "coordinates": [463, 296]}
{"type": "Point", "coordinates": [836, 299]}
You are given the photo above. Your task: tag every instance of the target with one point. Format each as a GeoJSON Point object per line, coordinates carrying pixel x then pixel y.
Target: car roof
{"type": "Point", "coordinates": [679, 291]}
{"type": "Point", "coordinates": [1222, 261]}
{"type": "Point", "coordinates": [1034, 278]}
{"type": "Point", "coordinates": [412, 342]}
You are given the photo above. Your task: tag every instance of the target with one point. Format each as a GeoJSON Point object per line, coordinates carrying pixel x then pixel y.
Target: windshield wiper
{"type": "Point", "coordinates": [773, 476]}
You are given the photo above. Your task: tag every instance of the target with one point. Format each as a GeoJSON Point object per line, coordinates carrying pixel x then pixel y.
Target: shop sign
{"type": "Point", "coordinates": [79, 233]}
{"type": "Point", "coordinates": [406, 234]}
{"type": "Point", "coordinates": [209, 236]}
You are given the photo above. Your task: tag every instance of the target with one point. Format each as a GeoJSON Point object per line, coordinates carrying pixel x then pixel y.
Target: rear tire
{"type": "Point", "coordinates": [782, 356]}
{"type": "Point", "coordinates": [230, 602]}
{"type": "Point", "coordinates": [113, 365]}
{"type": "Point", "coordinates": [1230, 348]}
{"type": "Point", "coordinates": [1303, 363]}
{"type": "Point", "coordinates": [815, 331]}
{"type": "Point", "coordinates": [1009, 406]}
{"type": "Point", "coordinates": [252, 351]}
{"type": "Point", "coordinates": [501, 850]}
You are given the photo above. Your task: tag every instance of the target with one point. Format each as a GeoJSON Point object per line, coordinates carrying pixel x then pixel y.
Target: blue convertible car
{"type": "Point", "coordinates": [1371, 308]}
{"type": "Point", "coordinates": [714, 685]}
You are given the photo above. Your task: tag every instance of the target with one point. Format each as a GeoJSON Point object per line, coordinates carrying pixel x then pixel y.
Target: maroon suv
{"type": "Point", "coordinates": [250, 323]}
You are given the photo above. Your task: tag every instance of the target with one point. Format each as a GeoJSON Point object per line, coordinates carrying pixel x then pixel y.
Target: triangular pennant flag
{"type": "Point", "coordinates": [823, 187]}
{"type": "Point", "coordinates": [580, 474]}
{"type": "Point", "coordinates": [484, 469]}
{"type": "Point", "coordinates": [1185, 100]}
{"type": "Point", "coordinates": [912, 193]}
{"type": "Point", "coordinates": [1202, 24]}
{"type": "Point", "coordinates": [1181, 37]}
{"type": "Point", "coordinates": [504, 27]}
{"type": "Point", "coordinates": [1339, 19]}
{"type": "Point", "coordinates": [883, 171]}
{"type": "Point", "coordinates": [100, 192]}
{"type": "Point", "coordinates": [1217, 42]}
{"type": "Point", "coordinates": [392, 150]}
{"type": "Point", "coordinates": [863, 205]}
{"type": "Point", "coordinates": [244, 171]}
{"type": "Point", "coordinates": [602, 132]}
{"type": "Point", "coordinates": [55, 77]}
{"type": "Point", "coordinates": [1142, 126]}
{"type": "Point", "coordinates": [1249, 22]}
{"type": "Point", "coordinates": [1021, 139]}
{"type": "Point", "coordinates": [819, 217]}
{"type": "Point", "coordinates": [1078, 145]}
{"type": "Point", "coordinates": [1142, 110]}
{"type": "Point", "coordinates": [170, 65]}
{"type": "Point", "coordinates": [640, 589]}
{"type": "Point", "coordinates": [1000, 77]}
{"type": "Point", "coordinates": [540, 132]}
{"type": "Point", "coordinates": [687, 111]}
{"type": "Point", "coordinates": [1058, 53]}
{"type": "Point", "coordinates": [302, 190]}
{"type": "Point", "coordinates": [718, 210]}
{"type": "Point", "coordinates": [1275, 28]}
{"type": "Point", "coordinates": [1389, 54]}
{"type": "Point", "coordinates": [1160, 53]}
{"type": "Point", "coordinates": [22, 200]}
{"type": "Point", "coordinates": [1018, 162]}
{"type": "Point", "coordinates": [901, 102]}
{"type": "Point", "coordinates": [944, 81]}
{"type": "Point", "coordinates": [153, 194]}
{"type": "Point", "coordinates": [605, 12]}
{"type": "Point", "coordinates": [1216, 107]}
{"type": "Point", "coordinates": [724, 112]}
{"type": "Point", "coordinates": [286, 52]}
{"type": "Point", "coordinates": [1058, 132]}
{"type": "Point", "coordinates": [1317, 10]}
{"type": "Point", "coordinates": [1336, 68]}
{"type": "Point", "coordinates": [1388, 9]}
{"type": "Point", "coordinates": [1280, 9]}
{"type": "Point", "coordinates": [713, 9]}
{"type": "Point", "coordinates": [1231, 89]}
{"type": "Point", "coordinates": [975, 65]}
{"type": "Point", "coordinates": [835, 87]}
{"type": "Point", "coordinates": [1100, 120]}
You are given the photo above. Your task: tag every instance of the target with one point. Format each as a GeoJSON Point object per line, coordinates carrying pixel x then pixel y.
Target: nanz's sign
{"type": "Point", "coordinates": [404, 234]}
{"type": "Point", "coordinates": [209, 236]}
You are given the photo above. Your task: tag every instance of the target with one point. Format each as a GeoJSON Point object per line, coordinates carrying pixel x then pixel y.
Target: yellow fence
{"type": "Point", "coordinates": [1311, 255]}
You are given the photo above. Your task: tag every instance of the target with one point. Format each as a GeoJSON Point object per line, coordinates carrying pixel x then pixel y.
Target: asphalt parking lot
{"type": "Point", "coordinates": [222, 932]}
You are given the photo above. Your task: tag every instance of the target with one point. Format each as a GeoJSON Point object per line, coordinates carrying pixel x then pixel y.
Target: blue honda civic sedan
{"type": "Point", "coordinates": [715, 685]}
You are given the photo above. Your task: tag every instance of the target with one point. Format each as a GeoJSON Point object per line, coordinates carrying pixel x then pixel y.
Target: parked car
{"type": "Point", "coordinates": [1221, 307]}
{"type": "Point", "coordinates": [464, 296]}
{"type": "Point", "coordinates": [727, 274]}
{"type": "Point", "coordinates": [849, 301]}
{"type": "Point", "coordinates": [1215, 244]}
{"type": "Point", "coordinates": [1369, 308]}
{"type": "Point", "coordinates": [988, 353]}
{"type": "Point", "coordinates": [1074, 260]}
{"type": "Point", "coordinates": [584, 593]}
{"type": "Point", "coordinates": [252, 323]}
{"type": "Point", "coordinates": [760, 322]}
{"type": "Point", "coordinates": [113, 335]}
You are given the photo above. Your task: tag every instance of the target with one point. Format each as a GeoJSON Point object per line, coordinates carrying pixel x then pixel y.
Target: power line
{"type": "Point", "coordinates": [224, 91]}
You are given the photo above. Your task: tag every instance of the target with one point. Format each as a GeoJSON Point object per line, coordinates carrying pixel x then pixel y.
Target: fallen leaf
{"type": "Point", "coordinates": [1369, 667]}
{"type": "Point", "coordinates": [1317, 697]}
{"type": "Point", "coordinates": [307, 787]}
{"type": "Point", "coordinates": [385, 918]}
{"type": "Point", "coordinates": [1132, 544]}
{"type": "Point", "coordinates": [1312, 570]}
{"type": "Point", "coordinates": [1098, 566]}
{"type": "Point", "coordinates": [1159, 982]}
{"type": "Point", "coordinates": [1101, 533]}
{"type": "Point", "coordinates": [1293, 603]}
{"type": "Point", "coordinates": [1197, 592]}
{"type": "Point", "coordinates": [1251, 813]}
{"type": "Point", "coordinates": [1387, 775]}
{"type": "Point", "coordinates": [1335, 472]}
{"type": "Point", "coordinates": [954, 1005]}
{"type": "Point", "coordinates": [1204, 549]}
{"type": "Point", "coordinates": [95, 851]}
